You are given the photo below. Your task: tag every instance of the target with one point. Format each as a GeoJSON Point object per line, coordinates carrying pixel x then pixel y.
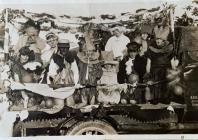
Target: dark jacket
{"type": "Point", "coordinates": [139, 68]}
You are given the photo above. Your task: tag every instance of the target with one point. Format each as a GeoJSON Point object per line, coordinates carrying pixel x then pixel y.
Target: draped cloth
{"type": "Point", "coordinates": [44, 90]}
{"type": "Point", "coordinates": [111, 94]}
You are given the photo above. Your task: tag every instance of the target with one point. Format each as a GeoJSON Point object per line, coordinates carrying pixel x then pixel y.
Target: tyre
{"type": "Point", "coordinates": [91, 127]}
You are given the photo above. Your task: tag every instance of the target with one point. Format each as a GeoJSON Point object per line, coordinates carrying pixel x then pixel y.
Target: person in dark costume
{"type": "Point", "coordinates": [160, 55]}
{"type": "Point", "coordinates": [135, 62]}
{"type": "Point", "coordinates": [132, 69]}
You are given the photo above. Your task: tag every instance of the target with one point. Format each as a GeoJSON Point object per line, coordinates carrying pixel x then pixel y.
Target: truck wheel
{"type": "Point", "coordinates": [92, 127]}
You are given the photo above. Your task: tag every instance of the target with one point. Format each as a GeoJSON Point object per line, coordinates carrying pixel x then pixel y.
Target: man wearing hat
{"type": "Point", "coordinates": [63, 70]}
{"type": "Point", "coordinates": [117, 43]}
{"type": "Point", "coordinates": [63, 47]}
{"type": "Point", "coordinates": [69, 75]}
{"type": "Point", "coordinates": [30, 39]}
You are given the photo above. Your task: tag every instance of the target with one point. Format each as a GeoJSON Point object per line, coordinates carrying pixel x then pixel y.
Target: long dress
{"type": "Point", "coordinates": [160, 62]}
{"type": "Point", "coordinates": [94, 74]}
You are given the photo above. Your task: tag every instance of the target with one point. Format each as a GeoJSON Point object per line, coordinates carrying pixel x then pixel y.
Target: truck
{"type": "Point", "coordinates": [100, 119]}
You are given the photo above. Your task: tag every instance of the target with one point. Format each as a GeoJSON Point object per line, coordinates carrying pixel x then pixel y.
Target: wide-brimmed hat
{"type": "Point", "coordinates": [133, 47]}
{"type": "Point", "coordinates": [107, 57]}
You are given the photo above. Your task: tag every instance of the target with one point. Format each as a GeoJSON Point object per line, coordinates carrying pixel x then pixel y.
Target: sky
{"type": "Point", "coordinates": [88, 7]}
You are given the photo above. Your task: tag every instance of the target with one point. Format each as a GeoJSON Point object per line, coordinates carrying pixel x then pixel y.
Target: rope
{"type": "Point", "coordinates": [131, 85]}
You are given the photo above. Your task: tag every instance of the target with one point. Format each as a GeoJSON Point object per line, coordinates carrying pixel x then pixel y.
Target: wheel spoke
{"type": "Point", "coordinates": [96, 133]}
{"type": "Point", "coordinates": [96, 127]}
{"type": "Point", "coordinates": [62, 132]}
{"type": "Point", "coordinates": [88, 133]}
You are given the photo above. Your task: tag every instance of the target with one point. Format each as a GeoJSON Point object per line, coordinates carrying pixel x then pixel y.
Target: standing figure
{"type": "Point", "coordinates": [160, 55]}
{"type": "Point", "coordinates": [127, 65]}
{"type": "Point", "coordinates": [117, 43]}
{"type": "Point", "coordinates": [90, 71]}
{"type": "Point", "coordinates": [132, 69]}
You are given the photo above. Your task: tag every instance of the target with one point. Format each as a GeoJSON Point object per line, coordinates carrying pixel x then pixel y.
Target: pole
{"type": "Point", "coordinates": [6, 38]}
{"type": "Point", "coordinates": [173, 31]}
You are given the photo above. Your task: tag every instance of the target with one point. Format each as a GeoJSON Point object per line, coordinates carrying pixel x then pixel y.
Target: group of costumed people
{"type": "Point", "coordinates": [109, 76]}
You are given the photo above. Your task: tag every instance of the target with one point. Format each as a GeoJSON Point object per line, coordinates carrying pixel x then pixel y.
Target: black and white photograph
{"type": "Point", "coordinates": [82, 67]}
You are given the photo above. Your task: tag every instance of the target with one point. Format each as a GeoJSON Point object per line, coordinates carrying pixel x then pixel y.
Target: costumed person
{"type": "Point", "coordinates": [63, 70]}
{"type": "Point", "coordinates": [23, 70]}
{"type": "Point", "coordinates": [131, 70]}
{"type": "Point", "coordinates": [71, 36]}
{"type": "Point", "coordinates": [160, 55]}
{"type": "Point", "coordinates": [109, 94]}
{"type": "Point", "coordinates": [126, 66]}
{"type": "Point", "coordinates": [90, 71]}
{"type": "Point", "coordinates": [117, 43]}
{"type": "Point", "coordinates": [31, 39]}
{"type": "Point", "coordinates": [143, 63]}
{"type": "Point", "coordinates": [50, 49]}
